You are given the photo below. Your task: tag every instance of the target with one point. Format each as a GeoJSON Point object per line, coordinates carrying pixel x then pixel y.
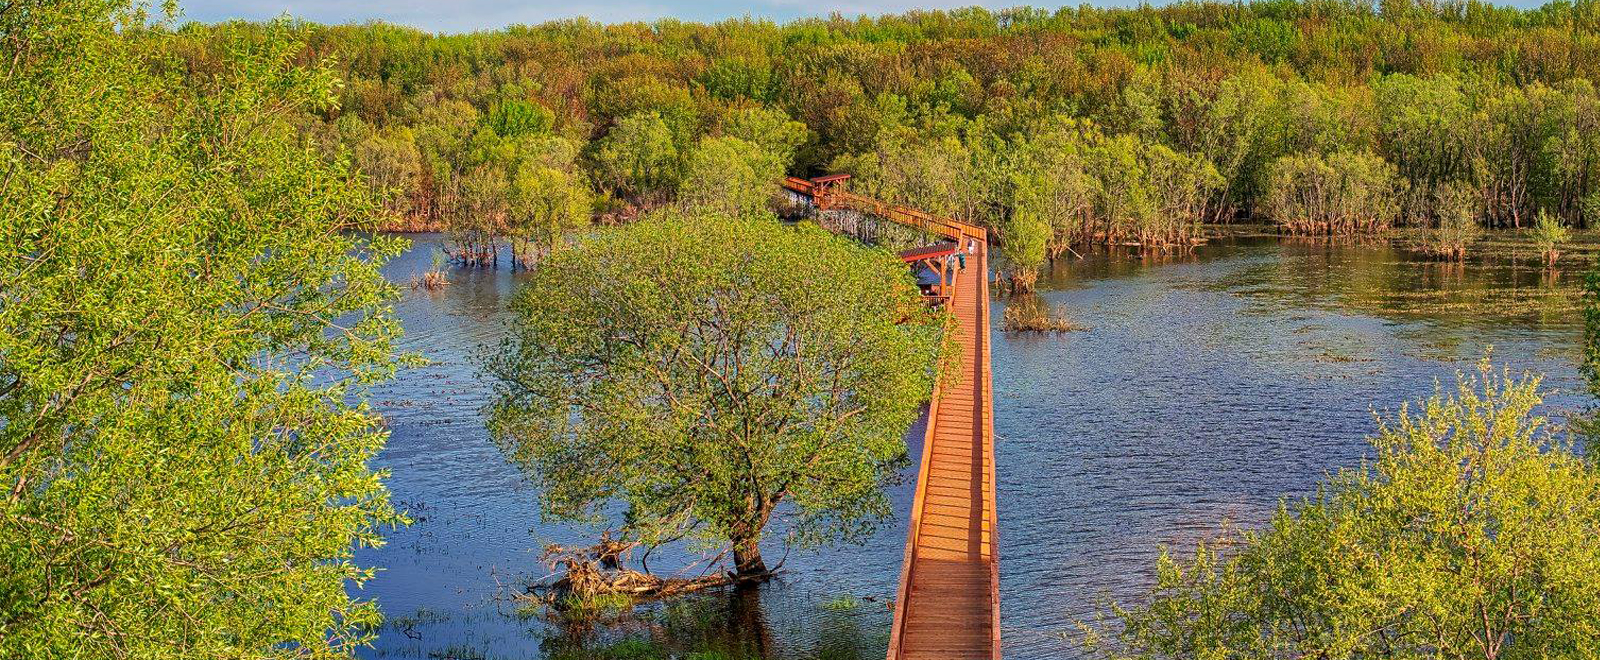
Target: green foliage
{"type": "Point", "coordinates": [639, 157]}
{"type": "Point", "coordinates": [1343, 193]}
{"type": "Point", "coordinates": [190, 317]}
{"type": "Point", "coordinates": [515, 118]}
{"type": "Point", "coordinates": [1201, 101]}
{"type": "Point", "coordinates": [392, 165]}
{"type": "Point", "coordinates": [1550, 234]}
{"type": "Point", "coordinates": [1456, 205]}
{"type": "Point", "coordinates": [1050, 181]}
{"type": "Point", "coordinates": [545, 203]}
{"type": "Point", "coordinates": [1470, 534]}
{"type": "Point", "coordinates": [730, 176]}
{"type": "Point", "coordinates": [770, 129]}
{"type": "Point", "coordinates": [712, 374]}
{"type": "Point", "coordinates": [930, 173]}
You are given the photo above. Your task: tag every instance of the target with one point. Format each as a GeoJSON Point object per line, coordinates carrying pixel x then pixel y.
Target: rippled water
{"type": "Point", "coordinates": [1206, 387]}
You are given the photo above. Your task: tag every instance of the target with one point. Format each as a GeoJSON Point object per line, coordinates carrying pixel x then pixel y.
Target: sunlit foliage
{"type": "Point", "coordinates": [190, 318]}
{"type": "Point", "coordinates": [1158, 118]}
{"type": "Point", "coordinates": [1470, 534]}
{"type": "Point", "coordinates": [711, 375]}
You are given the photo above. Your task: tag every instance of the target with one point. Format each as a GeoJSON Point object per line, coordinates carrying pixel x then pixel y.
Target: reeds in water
{"type": "Point", "coordinates": [1034, 314]}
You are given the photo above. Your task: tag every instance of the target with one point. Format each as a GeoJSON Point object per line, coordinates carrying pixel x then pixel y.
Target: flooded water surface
{"type": "Point", "coordinates": [1204, 388]}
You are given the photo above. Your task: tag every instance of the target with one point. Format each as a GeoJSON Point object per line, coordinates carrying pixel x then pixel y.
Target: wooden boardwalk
{"type": "Point", "coordinates": [948, 605]}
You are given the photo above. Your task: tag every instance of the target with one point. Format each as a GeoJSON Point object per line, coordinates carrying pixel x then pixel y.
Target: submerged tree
{"type": "Point", "coordinates": [712, 374]}
{"type": "Point", "coordinates": [1343, 193]}
{"type": "Point", "coordinates": [187, 333]}
{"type": "Point", "coordinates": [545, 203]}
{"type": "Point", "coordinates": [1469, 535]}
{"type": "Point", "coordinates": [1549, 235]}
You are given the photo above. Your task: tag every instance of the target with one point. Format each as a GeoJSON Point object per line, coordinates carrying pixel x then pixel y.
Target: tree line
{"type": "Point", "coordinates": [1055, 128]}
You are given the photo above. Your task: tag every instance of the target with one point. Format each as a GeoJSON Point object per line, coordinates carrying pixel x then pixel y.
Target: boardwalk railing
{"type": "Point", "coordinates": [990, 497]}
{"type": "Point", "coordinates": [945, 624]}
{"type": "Point", "coordinates": [826, 196]}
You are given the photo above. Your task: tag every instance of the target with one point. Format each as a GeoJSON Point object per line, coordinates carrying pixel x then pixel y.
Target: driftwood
{"type": "Point", "coordinates": [590, 572]}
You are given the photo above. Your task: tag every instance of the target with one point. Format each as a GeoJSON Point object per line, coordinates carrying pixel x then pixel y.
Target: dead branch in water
{"type": "Point", "coordinates": [594, 573]}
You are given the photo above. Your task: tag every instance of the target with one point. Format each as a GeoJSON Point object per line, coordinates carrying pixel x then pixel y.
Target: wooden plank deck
{"type": "Point", "coordinates": [949, 604]}
{"type": "Point", "coordinates": [948, 607]}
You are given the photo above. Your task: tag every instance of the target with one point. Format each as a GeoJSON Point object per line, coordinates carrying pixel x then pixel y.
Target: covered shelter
{"type": "Point", "coordinates": [935, 269]}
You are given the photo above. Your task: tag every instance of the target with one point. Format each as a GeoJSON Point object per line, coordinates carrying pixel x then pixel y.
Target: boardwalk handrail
{"type": "Point", "coordinates": [992, 500]}
{"type": "Point", "coordinates": [827, 196]}
{"type": "Point", "coordinates": [902, 594]}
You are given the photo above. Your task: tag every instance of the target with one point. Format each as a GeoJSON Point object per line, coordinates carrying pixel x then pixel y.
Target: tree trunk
{"type": "Point", "coordinates": [747, 561]}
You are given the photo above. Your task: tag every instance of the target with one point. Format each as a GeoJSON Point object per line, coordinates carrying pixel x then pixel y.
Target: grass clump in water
{"type": "Point", "coordinates": [1034, 314]}
{"type": "Point", "coordinates": [843, 603]}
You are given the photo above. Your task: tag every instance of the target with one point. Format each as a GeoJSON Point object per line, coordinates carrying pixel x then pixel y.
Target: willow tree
{"type": "Point", "coordinates": [710, 375]}
{"type": "Point", "coordinates": [639, 158]}
{"type": "Point", "coordinates": [185, 338]}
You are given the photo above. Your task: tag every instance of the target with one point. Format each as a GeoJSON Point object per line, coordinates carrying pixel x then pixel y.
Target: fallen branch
{"type": "Point", "coordinates": [595, 573]}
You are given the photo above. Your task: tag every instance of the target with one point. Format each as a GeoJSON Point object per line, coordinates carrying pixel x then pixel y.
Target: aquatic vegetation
{"type": "Point", "coordinates": [1550, 235]}
{"type": "Point", "coordinates": [1034, 314]}
{"type": "Point", "coordinates": [1456, 208]}
{"type": "Point", "coordinates": [458, 652]}
{"type": "Point", "coordinates": [843, 603]}
{"type": "Point", "coordinates": [434, 277]}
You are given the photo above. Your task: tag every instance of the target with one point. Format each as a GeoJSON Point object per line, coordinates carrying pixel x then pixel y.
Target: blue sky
{"type": "Point", "coordinates": [468, 15]}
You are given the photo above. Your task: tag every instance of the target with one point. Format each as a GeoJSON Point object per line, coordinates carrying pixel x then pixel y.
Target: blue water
{"type": "Point", "coordinates": [1206, 387]}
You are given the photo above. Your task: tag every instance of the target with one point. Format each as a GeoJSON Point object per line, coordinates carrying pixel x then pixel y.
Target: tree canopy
{"type": "Point", "coordinates": [1167, 117]}
{"type": "Point", "coordinates": [713, 373]}
{"type": "Point", "coordinates": [186, 336]}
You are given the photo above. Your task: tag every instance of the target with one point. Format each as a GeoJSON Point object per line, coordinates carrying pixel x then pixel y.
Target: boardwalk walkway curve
{"type": "Point", "coordinates": [948, 604]}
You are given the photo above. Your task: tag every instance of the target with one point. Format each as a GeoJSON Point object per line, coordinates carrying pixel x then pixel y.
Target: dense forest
{"type": "Point", "coordinates": [1062, 127]}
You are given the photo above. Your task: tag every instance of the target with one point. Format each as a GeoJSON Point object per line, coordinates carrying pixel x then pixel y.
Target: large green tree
{"type": "Point", "coordinates": [1469, 534]}
{"type": "Point", "coordinates": [186, 335]}
{"type": "Point", "coordinates": [730, 175]}
{"type": "Point", "coordinates": [640, 157]}
{"type": "Point", "coordinates": [710, 374]}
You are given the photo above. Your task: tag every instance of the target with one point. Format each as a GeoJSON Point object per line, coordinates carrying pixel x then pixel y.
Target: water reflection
{"type": "Point", "coordinates": [1212, 383]}
{"type": "Point", "coordinates": [1206, 386]}
{"type": "Point", "coordinates": [449, 582]}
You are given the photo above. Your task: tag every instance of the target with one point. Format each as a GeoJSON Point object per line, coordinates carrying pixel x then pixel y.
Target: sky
{"type": "Point", "coordinates": [469, 15]}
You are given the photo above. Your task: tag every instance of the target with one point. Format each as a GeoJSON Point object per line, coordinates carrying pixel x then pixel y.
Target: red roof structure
{"type": "Point", "coordinates": [929, 252]}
